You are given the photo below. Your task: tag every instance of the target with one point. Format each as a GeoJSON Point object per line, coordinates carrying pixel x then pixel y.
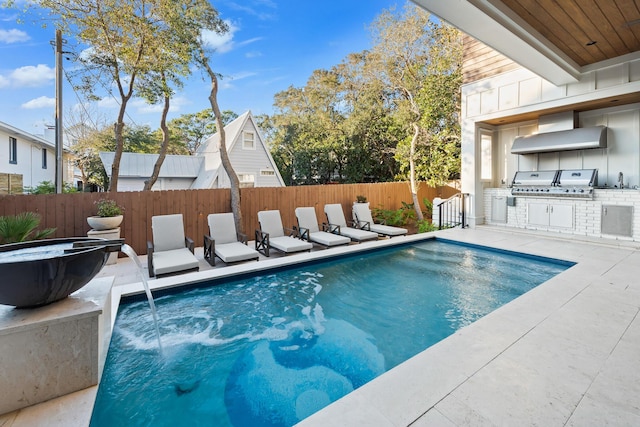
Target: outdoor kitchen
{"type": "Point", "coordinates": [552, 185]}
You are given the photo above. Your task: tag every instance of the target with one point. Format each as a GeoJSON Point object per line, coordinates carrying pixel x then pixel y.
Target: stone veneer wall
{"type": "Point", "coordinates": [586, 212]}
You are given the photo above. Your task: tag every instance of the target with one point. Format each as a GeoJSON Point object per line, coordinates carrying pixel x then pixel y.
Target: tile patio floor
{"type": "Point", "coordinates": [565, 353]}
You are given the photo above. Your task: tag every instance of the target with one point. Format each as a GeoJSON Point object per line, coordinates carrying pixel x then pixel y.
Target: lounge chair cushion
{"type": "Point", "coordinates": [307, 219]}
{"type": "Point", "coordinates": [222, 228]}
{"type": "Point", "coordinates": [271, 222]}
{"type": "Point", "coordinates": [289, 244]}
{"type": "Point", "coordinates": [168, 232]}
{"type": "Point", "coordinates": [335, 216]}
{"type": "Point", "coordinates": [362, 214]}
{"type": "Point", "coordinates": [328, 239]}
{"type": "Point", "coordinates": [175, 260]}
{"type": "Point", "coordinates": [235, 251]}
{"type": "Point", "coordinates": [388, 230]}
{"type": "Point", "coordinates": [357, 234]}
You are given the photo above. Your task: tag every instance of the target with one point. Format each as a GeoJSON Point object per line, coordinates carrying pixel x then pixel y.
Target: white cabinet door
{"type": "Point", "coordinates": [538, 214]}
{"type": "Point", "coordinates": [550, 215]}
{"type": "Point", "coordinates": [561, 216]}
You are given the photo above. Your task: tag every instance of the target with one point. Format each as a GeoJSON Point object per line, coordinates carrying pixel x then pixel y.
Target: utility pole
{"type": "Point", "coordinates": [59, 126]}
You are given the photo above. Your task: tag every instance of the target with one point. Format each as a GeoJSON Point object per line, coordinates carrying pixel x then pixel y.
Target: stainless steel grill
{"type": "Point", "coordinates": [558, 183]}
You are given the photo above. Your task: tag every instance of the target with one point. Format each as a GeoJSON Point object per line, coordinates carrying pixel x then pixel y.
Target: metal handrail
{"type": "Point", "coordinates": [452, 212]}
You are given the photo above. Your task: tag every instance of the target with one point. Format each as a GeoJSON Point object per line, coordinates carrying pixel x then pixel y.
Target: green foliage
{"type": "Point", "coordinates": [108, 208]}
{"type": "Point", "coordinates": [133, 48]}
{"type": "Point", "coordinates": [361, 199]}
{"type": "Point", "coordinates": [193, 129]}
{"type": "Point", "coordinates": [426, 226]}
{"type": "Point", "coordinates": [397, 217]}
{"type": "Point", "coordinates": [22, 227]}
{"type": "Point", "coordinates": [380, 114]}
{"type": "Point", "coordinates": [48, 187]}
{"type": "Point", "coordinates": [428, 205]}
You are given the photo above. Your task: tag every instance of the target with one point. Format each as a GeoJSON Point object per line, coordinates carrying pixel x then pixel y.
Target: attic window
{"type": "Point", "coordinates": [267, 172]}
{"type": "Point", "coordinates": [248, 141]}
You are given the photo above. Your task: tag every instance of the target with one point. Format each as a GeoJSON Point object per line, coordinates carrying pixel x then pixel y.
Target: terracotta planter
{"type": "Point", "coordinates": [104, 223]}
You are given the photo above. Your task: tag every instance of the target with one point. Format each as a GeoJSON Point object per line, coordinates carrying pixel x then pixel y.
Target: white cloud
{"type": "Point", "coordinates": [220, 42]}
{"type": "Point", "coordinates": [41, 102]}
{"type": "Point", "coordinates": [253, 54]}
{"type": "Point", "coordinates": [143, 107]}
{"type": "Point", "coordinates": [243, 75]}
{"type": "Point", "coordinates": [31, 76]}
{"type": "Point", "coordinates": [108, 102]}
{"type": "Point", "coordinates": [4, 82]}
{"type": "Point", "coordinates": [13, 36]}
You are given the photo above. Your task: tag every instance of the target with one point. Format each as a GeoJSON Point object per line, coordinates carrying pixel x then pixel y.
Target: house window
{"type": "Point", "coordinates": [13, 150]}
{"type": "Point", "coordinates": [248, 141]}
{"type": "Point", "coordinates": [246, 180]}
{"type": "Point", "coordinates": [267, 172]}
{"type": "Point", "coordinates": [44, 158]}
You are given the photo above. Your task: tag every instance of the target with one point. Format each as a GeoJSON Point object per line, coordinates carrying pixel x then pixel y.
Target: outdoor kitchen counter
{"type": "Point", "coordinates": [611, 213]}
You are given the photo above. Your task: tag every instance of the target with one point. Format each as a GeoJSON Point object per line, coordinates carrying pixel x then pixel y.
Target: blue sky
{"type": "Point", "coordinates": [272, 45]}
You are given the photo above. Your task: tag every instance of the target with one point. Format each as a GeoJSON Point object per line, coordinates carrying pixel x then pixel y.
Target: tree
{"type": "Point", "coordinates": [222, 145]}
{"type": "Point", "coordinates": [194, 128]}
{"type": "Point", "coordinates": [131, 39]}
{"type": "Point", "coordinates": [404, 56]}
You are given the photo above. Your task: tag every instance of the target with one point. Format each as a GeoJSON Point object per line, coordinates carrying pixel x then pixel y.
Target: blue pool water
{"type": "Point", "coordinates": [273, 349]}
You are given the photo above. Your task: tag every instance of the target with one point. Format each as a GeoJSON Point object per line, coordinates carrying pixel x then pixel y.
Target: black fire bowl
{"type": "Point", "coordinates": [39, 272]}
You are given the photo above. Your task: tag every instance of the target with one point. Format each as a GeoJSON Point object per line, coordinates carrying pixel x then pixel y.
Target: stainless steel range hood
{"type": "Point", "coordinates": [564, 140]}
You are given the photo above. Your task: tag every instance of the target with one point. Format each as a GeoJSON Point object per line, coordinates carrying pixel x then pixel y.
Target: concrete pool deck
{"type": "Point", "coordinates": [565, 353]}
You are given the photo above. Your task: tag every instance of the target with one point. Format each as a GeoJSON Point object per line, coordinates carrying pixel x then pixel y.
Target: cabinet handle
{"type": "Point", "coordinates": [551, 209]}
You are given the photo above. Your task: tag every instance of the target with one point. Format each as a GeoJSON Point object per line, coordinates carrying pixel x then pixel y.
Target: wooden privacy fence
{"type": "Point", "coordinates": [68, 212]}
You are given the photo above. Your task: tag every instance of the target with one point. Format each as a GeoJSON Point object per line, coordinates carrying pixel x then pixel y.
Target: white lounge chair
{"type": "Point", "coordinates": [224, 242]}
{"type": "Point", "coordinates": [272, 235]}
{"type": "Point", "coordinates": [362, 217]}
{"type": "Point", "coordinates": [338, 224]}
{"type": "Point", "coordinates": [170, 252]}
{"type": "Point", "coordinates": [310, 231]}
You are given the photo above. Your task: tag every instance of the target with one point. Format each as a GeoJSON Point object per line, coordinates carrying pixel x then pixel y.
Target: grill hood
{"type": "Point", "coordinates": [564, 140]}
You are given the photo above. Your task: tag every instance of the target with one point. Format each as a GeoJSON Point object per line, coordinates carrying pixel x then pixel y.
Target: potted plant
{"type": "Point", "coordinates": [361, 199]}
{"type": "Point", "coordinates": [108, 215]}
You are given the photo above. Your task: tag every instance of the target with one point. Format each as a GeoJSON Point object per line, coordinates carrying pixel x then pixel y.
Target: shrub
{"type": "Point", "coordinates": [396, 217]}
{"type": "Point", "coordinates": [22, 227]}
{"type": "Point", "coordinates": [426, 226]}
{"type": "Point", "coordinates": [108, 208]}
{"type": "Point", "coordinates": [48, 187]}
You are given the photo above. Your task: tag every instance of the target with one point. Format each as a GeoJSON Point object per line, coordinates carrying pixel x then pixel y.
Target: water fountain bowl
{"type": "Point", "coordinates": [40, 272]}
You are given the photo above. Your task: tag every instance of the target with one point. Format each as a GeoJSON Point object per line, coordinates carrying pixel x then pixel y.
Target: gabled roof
{"type": "Point", "coordinates": [209, 149]}
{"type": "Point", "coordinates": [34, 139]}
{"type": "Point", "coordinates": [138, 165]}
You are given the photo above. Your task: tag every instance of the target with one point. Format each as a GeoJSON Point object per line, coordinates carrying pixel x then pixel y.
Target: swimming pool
{"type": "Point", "coordinates": [272, 349]}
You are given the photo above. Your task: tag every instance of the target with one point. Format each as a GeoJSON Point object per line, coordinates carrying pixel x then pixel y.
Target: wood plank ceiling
{"type": "Point", "coordinates": [587, 31]}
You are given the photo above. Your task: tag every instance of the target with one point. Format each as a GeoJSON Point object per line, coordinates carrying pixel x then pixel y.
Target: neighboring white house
{"type": "Point", "coordinates": [177, 172]}
{"type": "Point", "coordinates": [26, 160]}
{"type": "Point", "coordinates": [248, 153]}
{"type": "Point", "coordinates": [537, 87]}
